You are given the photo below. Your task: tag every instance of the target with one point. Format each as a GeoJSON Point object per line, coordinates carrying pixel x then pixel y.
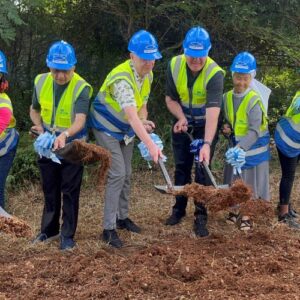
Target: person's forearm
{"type": "Point", "coordinates": [35, 117]}
{"type": "Point", "coordinates": [137, 125]}
{"type": "Point", "coordinates": [249, 140]}
{"type": "Point", "coordinates": [212, 116]}
{"type": "Point", "coordinates": [143, 113]}
{"type": "Point", "coordinates": [77, 125]}
{"type": "Point", "coordinates": [174, 108]}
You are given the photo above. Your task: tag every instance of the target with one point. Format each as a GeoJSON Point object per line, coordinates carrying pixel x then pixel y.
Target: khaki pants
{"type": "Point", "coordinates": [116, 199]}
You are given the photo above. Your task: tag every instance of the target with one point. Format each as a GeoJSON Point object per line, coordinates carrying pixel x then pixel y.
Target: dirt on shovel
{"type": "Point", "coordinates": [239, 194]}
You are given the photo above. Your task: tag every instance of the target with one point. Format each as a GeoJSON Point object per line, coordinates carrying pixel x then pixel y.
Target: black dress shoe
{"type": "Point", "coordinates": [111, 238]}
{"type": "Point", "coordinates": [175, 217]}
{"type": "Point", "coordinates": [129, 225]}
{"type": "Point", "coordinates": [200, 228]}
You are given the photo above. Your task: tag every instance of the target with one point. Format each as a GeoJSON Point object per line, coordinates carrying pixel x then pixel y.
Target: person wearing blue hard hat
{"type": "Point", "coordinates": [60, 106]}
{"type": "Point", "coordinates": [246, 127]}
{"type": "Point", "coordinates": [9, 136]}
{"type": "Point", "coordinates": [287, 139]}
{"type": "Point", "coordinates": [194, 88]}
{"type": "Point", "coordinates": [118, 113]}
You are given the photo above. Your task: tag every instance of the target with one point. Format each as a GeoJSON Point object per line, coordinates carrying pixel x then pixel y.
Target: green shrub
{"type": "Point", "coordinates": [24, 167]}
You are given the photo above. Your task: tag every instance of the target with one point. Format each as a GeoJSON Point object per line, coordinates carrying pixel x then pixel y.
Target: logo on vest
{"type": "Point", "coordinates": [199, 93]}
{"type": "Point", "coordinates": [63, 112]}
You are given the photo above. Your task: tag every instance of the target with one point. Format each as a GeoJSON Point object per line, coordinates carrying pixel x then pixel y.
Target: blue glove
{"type": "Point", "coordinates": [195, 147]}
{"type": "Point", "coordinates": [144, 150]}
{"type": "Point", "coordinates": [296, 104]}
{"type": "Point", "coordinates": [43, 146]}
{"type": "Point", "coordinates": [236, 157]}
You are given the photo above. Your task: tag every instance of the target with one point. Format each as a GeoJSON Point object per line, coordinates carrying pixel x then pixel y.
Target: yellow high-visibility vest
{"type": "Point", "coordinates": [64, 113]}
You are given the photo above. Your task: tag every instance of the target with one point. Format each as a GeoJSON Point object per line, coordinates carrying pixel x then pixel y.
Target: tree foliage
{"type": "Point", "coordinates": [9, 20]}
{"type": "Point", "coordinates": [100, 29]}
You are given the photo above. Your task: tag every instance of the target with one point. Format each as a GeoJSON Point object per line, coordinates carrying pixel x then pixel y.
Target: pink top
{"type": "Point", "coordinates": [5, 116]}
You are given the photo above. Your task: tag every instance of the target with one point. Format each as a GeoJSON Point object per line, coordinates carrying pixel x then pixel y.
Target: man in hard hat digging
{"type": "Point", "coordinates": [194, 91]}
{"type": "Point", "coordinates": [118, 113]}
{"type": "Point", "coordinates": [60, 105]}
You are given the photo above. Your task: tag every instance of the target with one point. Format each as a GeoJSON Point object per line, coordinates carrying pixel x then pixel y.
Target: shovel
{"type": "Point", "coordinates": [169, 188]}
{"type": "Point", "coordinates": [4, 214]}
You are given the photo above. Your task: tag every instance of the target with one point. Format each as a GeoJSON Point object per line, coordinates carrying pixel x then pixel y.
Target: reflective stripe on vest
{"type": "Point", "coordinates": [193, 100]}
{"type": "Point", "coordinates": [64, 114]}
{"type": "Point", "coordinates": [287, 139]}
{"type": "Point", "coordinates": [6, 137]}
{"type": "Point", "coordinates": [9, 141]}
{"type": "Point", "coordinates": [287, 133]}
{"type": "Point", "coordinates": [9, 137]}
{"type": "Point", "coordinates": [106, 113]}
{"type": "Point", "coordinates": [260, 151]}
{"type": "Point", "coordinates": [239, 120]}
{"type": "Point", "coordinates": [291, 113]}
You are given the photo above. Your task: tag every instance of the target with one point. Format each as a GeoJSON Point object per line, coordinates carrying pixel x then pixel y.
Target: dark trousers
{"type": "Point", "coordinates": [184, 161]}
{"type": "Point", "coordinates": [288, 169]}
{"type": "Point", "coordinates": [6, 162]}
{"type": "Point", "coordinates": [59, 179]}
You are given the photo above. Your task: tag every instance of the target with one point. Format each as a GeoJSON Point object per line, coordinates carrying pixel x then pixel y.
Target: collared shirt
{"type": "Point", "coordinates": [123, 91]}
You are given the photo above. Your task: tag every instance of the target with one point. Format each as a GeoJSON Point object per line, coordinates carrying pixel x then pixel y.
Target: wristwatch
{"type": "Point", "coordinates": [66, 133]}
{"type": "Point", "coordinates": [207, 142]}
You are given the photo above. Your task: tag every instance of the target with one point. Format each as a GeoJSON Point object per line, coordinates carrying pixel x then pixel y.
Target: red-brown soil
{"type": "Point", "coordinates": [161, 263]}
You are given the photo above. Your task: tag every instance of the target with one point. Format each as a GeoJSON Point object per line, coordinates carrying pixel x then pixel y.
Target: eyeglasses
{"type": "Point", "coordinates": [56, 71]}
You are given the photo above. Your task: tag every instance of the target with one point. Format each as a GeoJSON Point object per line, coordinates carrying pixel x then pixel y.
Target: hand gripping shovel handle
{"type": "Point", "coordinates": [62, 152]}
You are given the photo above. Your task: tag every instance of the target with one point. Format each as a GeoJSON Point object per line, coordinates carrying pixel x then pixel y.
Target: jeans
{"type": "Point", "coordinates": [6, 162]}
{"type": "Point", "coordinates": [288, 169]}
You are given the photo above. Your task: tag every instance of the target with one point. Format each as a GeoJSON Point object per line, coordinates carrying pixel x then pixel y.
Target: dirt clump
{"type": "Point", "coordinates": [238, 194]}
{"type": "Point", "coordinates": [86, 153]}
{"type": "Point", "coordinates": [15, 226]}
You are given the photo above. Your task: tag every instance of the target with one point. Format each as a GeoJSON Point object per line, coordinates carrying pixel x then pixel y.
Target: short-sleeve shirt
{"type": "Point", "coordinates": [214, 88]}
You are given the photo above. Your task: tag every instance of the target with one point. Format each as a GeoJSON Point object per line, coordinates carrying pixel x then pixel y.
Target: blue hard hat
{"type": "Point", "coordinates": [197, 42]}
{"type": "Point", "coordinates": [144, 45]}
{"type": "Point", "coordinates": [3, 67]}
{"type": "Point", "coordinates": [244, 62]}
{"type": "Point", "coordinates": [61, 56]}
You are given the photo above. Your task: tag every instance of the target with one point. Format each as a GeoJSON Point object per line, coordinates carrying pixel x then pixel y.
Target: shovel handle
{"type": "Point", "coordinates": [165, 173]}
{"type": "Point", "coordinates": [209, 173]}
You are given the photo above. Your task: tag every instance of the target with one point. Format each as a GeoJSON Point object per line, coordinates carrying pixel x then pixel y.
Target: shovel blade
{"type": "Point", "coordinates": [164, 189]}
{"type": "Point", "coordinates": [4, 214]}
